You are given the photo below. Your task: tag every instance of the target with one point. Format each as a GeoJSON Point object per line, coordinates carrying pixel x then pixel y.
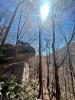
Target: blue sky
{"type": "Point", "coordinates": [31, 28]}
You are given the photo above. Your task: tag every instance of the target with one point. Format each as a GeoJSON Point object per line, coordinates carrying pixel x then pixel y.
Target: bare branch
{"type": "Point", "coordinates": [68, 43]}
{"type": "Point", "coordinates": [11, 21]}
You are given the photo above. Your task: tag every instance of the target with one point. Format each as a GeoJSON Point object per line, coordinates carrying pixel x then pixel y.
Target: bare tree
{"type": "Point", "coordinates": [55, 63]}
{"type": "Point", "coordinates": [69, 56]}
{"type": "Point", "coordinates": [10, 23]}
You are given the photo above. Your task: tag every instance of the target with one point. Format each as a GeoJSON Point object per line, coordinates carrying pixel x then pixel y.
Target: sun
{"type": "Point", "coordinates": [44, 10]}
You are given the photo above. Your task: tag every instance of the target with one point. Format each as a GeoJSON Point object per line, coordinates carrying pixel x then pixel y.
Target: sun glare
{"type": "Point", "coordinates": [44, 10]}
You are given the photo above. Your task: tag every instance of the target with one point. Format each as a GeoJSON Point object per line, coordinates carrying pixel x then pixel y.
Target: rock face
{"type": "Point", "coordinates": [20, 68]}
{"type": "Point", "coordinates": [21, 53]}
{"type": "Point", "coordinates": [25, 76]}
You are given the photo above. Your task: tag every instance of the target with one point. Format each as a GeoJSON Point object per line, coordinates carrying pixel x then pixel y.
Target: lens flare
{"type": "Point", "coordinates": [44, 10]}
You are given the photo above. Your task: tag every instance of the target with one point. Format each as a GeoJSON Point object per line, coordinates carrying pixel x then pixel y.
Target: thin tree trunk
{"type": "Point", "coordinates": [0, 19]}
{"type": "Point", "coordinates": [40, 95]}
{"type": "Point", "coordinates": [64, 74]}
{"type": "Point", "coordinates": [17, 39]}
{"type": "Point", "coordinates": [72, 81]}
{"type": "Point", "coordinates": [48, 72]}
{"type": "Point", "coordinates": [55, 64]}
{"type": "Point", "coordinates": [68, 81]}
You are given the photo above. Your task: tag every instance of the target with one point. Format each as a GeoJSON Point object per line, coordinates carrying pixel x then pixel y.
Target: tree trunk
{"type": "Point", "coordinates": [40, 95]}
{"type": "Point", "coordinates": [56, 75]}
{"type": "Point", "coordinates": [71, 74]}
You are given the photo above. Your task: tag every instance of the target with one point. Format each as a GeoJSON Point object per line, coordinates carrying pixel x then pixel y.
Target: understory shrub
{"type": "Point", "coordinates": [14, 89]}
